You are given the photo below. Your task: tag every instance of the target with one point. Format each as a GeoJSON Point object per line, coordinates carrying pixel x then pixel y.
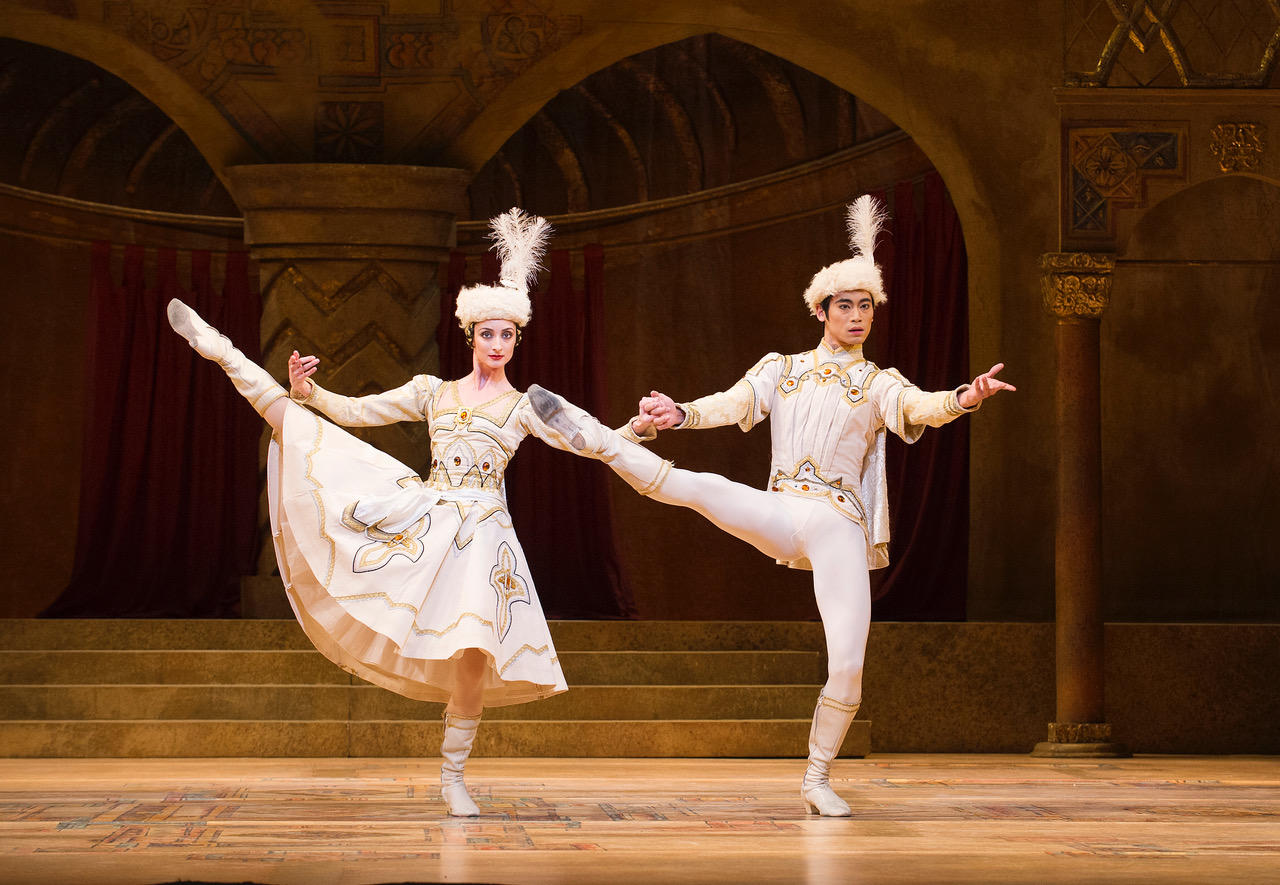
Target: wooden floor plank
{"type": "Point", "coordinates": [927, 818]}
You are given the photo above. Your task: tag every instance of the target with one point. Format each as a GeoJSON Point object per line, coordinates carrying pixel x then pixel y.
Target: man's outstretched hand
{"type": "Point", "coordinates": [985, 385]}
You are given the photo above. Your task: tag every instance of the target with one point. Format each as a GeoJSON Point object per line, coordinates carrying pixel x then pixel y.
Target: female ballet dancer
{"type": "Point", "coordinates": [417, 585]}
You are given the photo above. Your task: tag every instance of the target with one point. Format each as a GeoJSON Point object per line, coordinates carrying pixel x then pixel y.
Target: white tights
{"type": "Point", "coordinates": [788, 527]}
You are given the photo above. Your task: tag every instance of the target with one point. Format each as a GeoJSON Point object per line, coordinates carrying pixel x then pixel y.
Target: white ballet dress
{"type": "Point", "coordinates": [393, 576]}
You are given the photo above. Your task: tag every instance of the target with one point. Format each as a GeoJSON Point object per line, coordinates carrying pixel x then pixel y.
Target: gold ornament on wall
{"type": "Point", "coordinates": [1076, 284]}
{"type": "Point", "coordinates": [1164, 43]}
{"type": "Point", "coordinates": [1238, 147]}
{"type": "Point", "coordinates": [1109, 168]}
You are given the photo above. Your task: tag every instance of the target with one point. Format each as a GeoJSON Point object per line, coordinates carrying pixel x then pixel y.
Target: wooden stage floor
{"type": "Point", "coordinates": [925, 818]}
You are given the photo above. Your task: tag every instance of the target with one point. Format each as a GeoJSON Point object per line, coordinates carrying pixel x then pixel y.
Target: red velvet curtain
{"type": "Point", "coordinates": [169, 474]}
{"type": "Point", "coordinates": [559, 502]}
{"type": "Point", "coordinates": [923, 332]}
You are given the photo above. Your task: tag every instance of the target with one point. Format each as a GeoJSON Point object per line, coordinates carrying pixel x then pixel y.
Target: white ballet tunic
{"type": "Point", "coordinates": [391, 576]}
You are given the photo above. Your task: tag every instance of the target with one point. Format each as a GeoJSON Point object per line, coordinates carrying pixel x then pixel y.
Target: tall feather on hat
{"type": "Point", "coordinates": [520, 241]}
{"type": "Point", "coordinates": [865, 219]}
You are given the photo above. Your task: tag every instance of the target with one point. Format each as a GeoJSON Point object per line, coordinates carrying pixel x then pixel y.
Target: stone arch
{"type": "Point", "coordinates": [211, 132]}
{"type": "Point", "coordinates": [802, 34]}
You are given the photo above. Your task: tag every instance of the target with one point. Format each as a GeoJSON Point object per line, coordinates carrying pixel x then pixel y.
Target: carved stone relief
{"type": "Point", "coordinates": [1238, 147]}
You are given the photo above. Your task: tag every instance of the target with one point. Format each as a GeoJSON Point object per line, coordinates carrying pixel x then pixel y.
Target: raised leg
{"type": "Point", "coordinates": [760, 518]}
{"type": "Point", "coordinates": [252, 381]}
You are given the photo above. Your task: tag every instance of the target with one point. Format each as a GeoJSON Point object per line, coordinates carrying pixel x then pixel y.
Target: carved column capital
{"type": "Point", "coordinates": [1076, 284]}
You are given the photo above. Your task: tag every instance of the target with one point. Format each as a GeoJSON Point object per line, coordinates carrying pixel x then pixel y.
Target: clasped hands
{"type": "Point", "coordinates": [657, 412]}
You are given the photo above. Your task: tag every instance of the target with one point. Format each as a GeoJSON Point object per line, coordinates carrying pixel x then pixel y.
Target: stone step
{"type": "Point", "coordinates": [310, 667]}
{"type": "Point", "coordinates": [141, 634]}
{"type": "Point", "coordinates": [779, 738]}
{"type": "Point", "coordinates": [366, 702]}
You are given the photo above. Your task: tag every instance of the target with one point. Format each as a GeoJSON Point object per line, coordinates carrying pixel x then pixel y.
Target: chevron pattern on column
{"type": "Point", "coordinates": [372, 323]}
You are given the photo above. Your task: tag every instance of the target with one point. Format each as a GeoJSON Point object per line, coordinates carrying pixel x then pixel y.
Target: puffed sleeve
{"type": "Point", "coordinates": [906, 410]}
{"type": "Point", "coordinates": [746, 403]}
{"type": "Point", "coordinates": [408, 402]}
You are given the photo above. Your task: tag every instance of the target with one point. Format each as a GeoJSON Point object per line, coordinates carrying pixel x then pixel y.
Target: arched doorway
{"type": "Point", "coordinates": [1189, 391]}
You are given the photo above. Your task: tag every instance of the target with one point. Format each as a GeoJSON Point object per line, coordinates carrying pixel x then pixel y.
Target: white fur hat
{"type": "Point", "coordinates": [865, 219]}
{"type": "Point", "coordinates": [520, 241]}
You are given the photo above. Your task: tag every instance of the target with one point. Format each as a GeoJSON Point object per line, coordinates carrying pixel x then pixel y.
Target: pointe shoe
{"type": "Point", "coordinates": [831, 720]}
{"type": "Point", "coordinates": [459, 735]}
{"type": "Point", "coordinates": [640, 468]}
{"type": "Point", "coordinates": [252, 381]}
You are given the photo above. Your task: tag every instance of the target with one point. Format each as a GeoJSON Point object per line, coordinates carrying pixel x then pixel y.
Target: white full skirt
{"type": "Point", "coordinates": [392, 580]}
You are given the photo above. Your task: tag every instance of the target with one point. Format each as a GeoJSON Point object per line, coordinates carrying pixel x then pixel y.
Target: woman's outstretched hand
{"type": "Point", "coordinates": [301, 368]}
{"type": "Point", "coordinates": [985, 385]}
{"type": "Point", "coordinates": [641, 423]}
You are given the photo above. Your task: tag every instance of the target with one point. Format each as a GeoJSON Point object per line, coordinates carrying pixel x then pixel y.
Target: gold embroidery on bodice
{"type": "Point", "coordinates": [820, 438]}
{"type": "Point", "coordinates": [467, 445]}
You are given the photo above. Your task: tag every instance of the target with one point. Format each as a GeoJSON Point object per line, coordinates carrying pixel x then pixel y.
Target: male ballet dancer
{"type": "Point", "coordinates": [826, 506]}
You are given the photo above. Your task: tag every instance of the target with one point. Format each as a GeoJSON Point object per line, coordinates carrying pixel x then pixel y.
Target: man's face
{"type": "Point", "coordinates": [847, 319]}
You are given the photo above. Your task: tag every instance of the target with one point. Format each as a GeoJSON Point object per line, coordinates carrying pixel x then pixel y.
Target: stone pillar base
{"type": "Point", "coordinates": [1080, 740]}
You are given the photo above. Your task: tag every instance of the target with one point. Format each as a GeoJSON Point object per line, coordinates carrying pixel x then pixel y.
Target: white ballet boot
{"type": "Point", "coordinates": [831, 720]}
{"type": "Point", "coordinates": [252, 381]}
{"type": "Point", "coordinates": [459, 735]}
{"type": "Point", "coordinates": [642, 469]}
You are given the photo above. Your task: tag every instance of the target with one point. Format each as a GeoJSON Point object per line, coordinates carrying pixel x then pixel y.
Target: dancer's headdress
{"type": "Point", "coordinates": [520, 241]}
{"type": "Point", "coordinates": [865, 219]}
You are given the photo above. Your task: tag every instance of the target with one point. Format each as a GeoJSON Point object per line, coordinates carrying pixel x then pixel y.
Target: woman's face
{"type": "Point", "coordinates": [494, 342]}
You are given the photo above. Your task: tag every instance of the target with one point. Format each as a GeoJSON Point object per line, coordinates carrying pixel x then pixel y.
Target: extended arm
{"type": "Point", "coordinates": [408, 402]}
{"type": "Point", "coordinates": [745, 403]}
{"type": "Point", "coordinates": [907, 409]}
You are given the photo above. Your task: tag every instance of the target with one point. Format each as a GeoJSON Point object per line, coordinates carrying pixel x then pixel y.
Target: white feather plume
{"type": "Point", "coordinates": [865, 219]}
{"type": "Point", "coordinates": [521, 241]}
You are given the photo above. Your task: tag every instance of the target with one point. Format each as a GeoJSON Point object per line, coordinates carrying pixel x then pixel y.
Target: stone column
{"type": "Point", "coordinates": [1076, 287]}
{"type": "Point", "coordinates": [349, 258]}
